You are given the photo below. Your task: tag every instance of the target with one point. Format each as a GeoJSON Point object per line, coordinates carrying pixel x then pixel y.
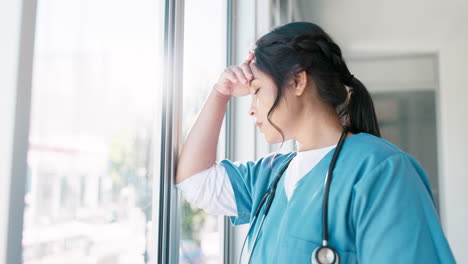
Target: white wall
{"type": "Point", "coordinates": [418, 26]}
{"type": "Point", "coordinates": [16, 38]}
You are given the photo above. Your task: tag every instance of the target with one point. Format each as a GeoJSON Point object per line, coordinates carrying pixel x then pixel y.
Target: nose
{"type": "Point", "coordinates": [252, 109]}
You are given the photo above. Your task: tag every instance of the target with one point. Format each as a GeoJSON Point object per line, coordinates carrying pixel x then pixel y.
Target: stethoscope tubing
{"type": "Point", "coordinates": [270, 194]}
{"type": "Point", "coordinates": [327, 189]}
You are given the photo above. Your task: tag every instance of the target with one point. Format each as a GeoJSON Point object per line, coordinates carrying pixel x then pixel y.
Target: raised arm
{"type": "Point", "coordinates": [199, 150]}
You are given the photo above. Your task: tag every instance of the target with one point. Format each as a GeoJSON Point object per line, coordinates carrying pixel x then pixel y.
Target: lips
{"type": "Point", "coordinates": [258, 124]}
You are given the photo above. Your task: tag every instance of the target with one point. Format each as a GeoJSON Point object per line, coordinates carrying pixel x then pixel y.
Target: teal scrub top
{"type": "Point", "coordinates": [380, 210]}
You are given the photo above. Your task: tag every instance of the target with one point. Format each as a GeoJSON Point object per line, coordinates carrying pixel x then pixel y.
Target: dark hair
{"type": "Point", "coordinates": [292, 48]}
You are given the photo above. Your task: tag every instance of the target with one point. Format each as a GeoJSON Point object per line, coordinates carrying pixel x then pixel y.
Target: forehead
{"type": "Point", "coordinates": [257, 74]}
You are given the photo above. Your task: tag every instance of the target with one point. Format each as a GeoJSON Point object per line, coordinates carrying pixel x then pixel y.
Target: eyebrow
{"type": "Point", "coordinates": [250, 84]}
{"type": "Point", "coordinates": [251, 81]}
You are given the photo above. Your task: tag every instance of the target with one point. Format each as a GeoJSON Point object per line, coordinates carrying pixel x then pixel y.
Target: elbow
{"type": "Point", "coordinates": [183, 173]}
{"type": "Point", "coordinates": [178, 176]}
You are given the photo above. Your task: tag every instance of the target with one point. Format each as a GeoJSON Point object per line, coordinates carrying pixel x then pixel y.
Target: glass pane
{"type": "Point", "coordinates": [204, 60]}
{"type": "Point", "coordinates": [402, 116]}
{"type": "Point", "coordinates": [95, 90]}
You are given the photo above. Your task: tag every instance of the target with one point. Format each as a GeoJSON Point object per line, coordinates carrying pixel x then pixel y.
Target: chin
{"type": "Point", "coordinates": [273, 140]}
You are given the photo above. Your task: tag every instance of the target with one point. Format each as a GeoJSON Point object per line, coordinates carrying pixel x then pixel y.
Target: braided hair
{"type": "Point", "coordinates": [302, 46]}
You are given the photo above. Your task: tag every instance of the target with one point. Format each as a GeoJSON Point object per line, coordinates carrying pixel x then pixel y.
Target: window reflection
{"type": "Point", "coordinates": [408, 120]}
{"type": "Point", "coordinates": [204, 60]}
{"type": "Point", "coordinates": [89, 194]}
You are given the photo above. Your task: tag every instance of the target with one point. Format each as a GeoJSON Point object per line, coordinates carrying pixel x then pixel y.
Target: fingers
{"type": "Point", "coordinates": [249, 58]}
{"type": "Point", "coordinates": [242, 73]}
{"type": "Point", "coordinates": [247, 71]}
{"type": "Point", "coordinates": [246, 66]}
{"type": "Point", "coordinates": [239, 74]}
{"type": "Point", "coordinates": [230, 75]}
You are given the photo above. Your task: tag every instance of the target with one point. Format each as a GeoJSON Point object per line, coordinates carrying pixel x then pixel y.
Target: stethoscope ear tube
{"type": "Point", "coordinates": [261, 203]}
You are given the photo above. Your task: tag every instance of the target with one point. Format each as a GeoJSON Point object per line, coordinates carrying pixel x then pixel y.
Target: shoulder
{"type": "Point", "coordinates": [381, 170]}
{"type": "Point", "coordinates": [367, 153]}
{"type": "Point", "coordinates": [270, 160]}
{"type": "Point", "coordinates": [268, 164]}
{"type": "Point", "coordinates": [373, 145]}
{"type": "Point", "coordinates": [254, 176]}
{"type": "Point", "coordinates": [276, 160]}
{"type": "Point", "coordinates": [369, 148]}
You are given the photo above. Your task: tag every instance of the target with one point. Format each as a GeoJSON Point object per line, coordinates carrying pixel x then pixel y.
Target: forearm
{"type": "Point", "coordinates": [199, 150]}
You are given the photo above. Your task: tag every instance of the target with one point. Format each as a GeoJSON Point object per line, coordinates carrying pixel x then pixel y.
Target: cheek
{"type": "Point", "coordinates": [262, 108]}
{"type": "Point", "coordinates": [264, 102]}
{"type": "Point", "coordinates": [282, 119]}
{"type": "Point", "coordinates": [279, 115]}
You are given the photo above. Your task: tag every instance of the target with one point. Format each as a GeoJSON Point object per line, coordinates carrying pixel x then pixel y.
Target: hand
{"type": "Point", "coordinates": [234, 81]}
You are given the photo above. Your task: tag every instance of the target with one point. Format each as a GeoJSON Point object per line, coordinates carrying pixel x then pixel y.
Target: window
{"type": "Point", "coordinates": [95, 85]}
{"type": "Point", "coordinates": [408, 120]}
{"type": "Point", "coordinates": [204, 60]}
{"type": "Point", "coordinates": [405, 103]}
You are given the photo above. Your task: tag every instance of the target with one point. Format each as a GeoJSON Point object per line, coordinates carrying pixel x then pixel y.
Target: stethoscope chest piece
{"type": "Point", "coordinates": [325, 255]}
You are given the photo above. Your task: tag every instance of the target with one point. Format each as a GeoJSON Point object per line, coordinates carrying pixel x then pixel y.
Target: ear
{"type": "Point", "coordinates": [300, 83]}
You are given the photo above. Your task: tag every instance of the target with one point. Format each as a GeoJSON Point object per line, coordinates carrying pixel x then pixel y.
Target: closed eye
{"type": "Point", "coordinates": [256, 91]}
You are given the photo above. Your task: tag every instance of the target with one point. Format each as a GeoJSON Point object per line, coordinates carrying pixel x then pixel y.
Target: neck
{"type": "Point", "coordinates": [318, 131]}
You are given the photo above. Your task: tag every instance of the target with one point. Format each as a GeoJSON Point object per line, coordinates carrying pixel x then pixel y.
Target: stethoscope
{"type": "Point", "coordinates": [322, 254]}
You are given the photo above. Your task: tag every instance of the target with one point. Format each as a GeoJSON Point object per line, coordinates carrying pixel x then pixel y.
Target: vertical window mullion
{"type": "Point", "coordinates": [168, 227]}
{"type": "Point", "coordinates": [18, 176]}
{"type": "Point", "coordinates": [228, 231]}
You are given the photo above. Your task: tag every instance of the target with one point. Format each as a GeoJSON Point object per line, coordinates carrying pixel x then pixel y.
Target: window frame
{"type": "Point", "coordinates": [21, 37]}
{"type": "Point", "coordinates": [166, 210]}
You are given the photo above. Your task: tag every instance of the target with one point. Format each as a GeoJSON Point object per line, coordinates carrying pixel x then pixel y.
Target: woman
{"type": "Point", "coordinates": [380, 206]}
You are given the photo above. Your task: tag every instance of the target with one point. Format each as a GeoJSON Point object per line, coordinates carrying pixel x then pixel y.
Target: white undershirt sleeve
{"type": "Point", "coordinates": [210, 190]}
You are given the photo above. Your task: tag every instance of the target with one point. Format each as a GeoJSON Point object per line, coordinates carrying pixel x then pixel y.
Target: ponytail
{"type": "Point", "coordinates": [360, 109]}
